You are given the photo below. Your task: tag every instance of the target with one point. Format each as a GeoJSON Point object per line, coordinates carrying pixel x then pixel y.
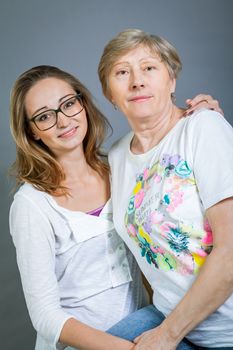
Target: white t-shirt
{"type": "Point", "coordinates": [72, 264]}
{"type": "Point", "coordinates": [159, 202]}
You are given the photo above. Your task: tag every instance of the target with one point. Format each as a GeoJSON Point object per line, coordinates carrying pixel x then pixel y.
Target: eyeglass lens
{"type": "Point", "coordinates": [48, 119]}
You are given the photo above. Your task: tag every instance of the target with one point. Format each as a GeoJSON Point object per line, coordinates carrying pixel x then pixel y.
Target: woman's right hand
{"type": "Point", "coordinates": [155, 339]}
{"type": "Point", "coordinates": [202, 101]}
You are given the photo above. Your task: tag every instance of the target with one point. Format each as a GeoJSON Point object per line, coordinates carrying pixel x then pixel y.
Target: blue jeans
{"type": "Point", "coordinates": [145, 319]}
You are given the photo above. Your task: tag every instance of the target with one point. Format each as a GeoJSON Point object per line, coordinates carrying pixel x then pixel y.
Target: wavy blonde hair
{"type": "Point", "coordinates": [35, 163]}
{"type": "Point", "coordinates": [128, 40]}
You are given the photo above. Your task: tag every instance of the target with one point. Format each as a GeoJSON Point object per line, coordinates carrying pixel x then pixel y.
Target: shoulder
{"type": "Point", "coordinates": [28, 192]}
{"type": "Point", "coordinates": [210, 130]}
{"type": "Point", "coordinates": [206, 118]}
{"type": "Point", "coordinates": [29, 199]}
{"type": "Point", "coordinates": [207, 125]}
{"type": "Point", "coordinates": [31, 214]}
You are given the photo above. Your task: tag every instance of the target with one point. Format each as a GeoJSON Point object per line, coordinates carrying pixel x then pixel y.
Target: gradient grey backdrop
{"type": "Point", "coordinates": [71, 34]}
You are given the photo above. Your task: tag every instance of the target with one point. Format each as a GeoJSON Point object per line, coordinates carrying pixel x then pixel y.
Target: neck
{"type": "Point", "coordinates": [150, 131]}
{"type": "Point", "coordinates": [75, 166]}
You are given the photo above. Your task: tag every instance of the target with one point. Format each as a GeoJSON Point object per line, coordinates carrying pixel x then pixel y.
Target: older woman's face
{"type": "Point", "coordinates": [140, 85]}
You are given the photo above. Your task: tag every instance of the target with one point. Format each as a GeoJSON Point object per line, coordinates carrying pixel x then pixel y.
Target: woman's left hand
{"type": "Point", "coordinates": [202, 101]}
{"type": "Point", "coordinates": [155, 339]}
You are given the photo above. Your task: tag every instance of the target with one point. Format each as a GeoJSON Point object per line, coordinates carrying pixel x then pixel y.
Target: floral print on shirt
{"type": "Point", "coordinates": [154, 217]}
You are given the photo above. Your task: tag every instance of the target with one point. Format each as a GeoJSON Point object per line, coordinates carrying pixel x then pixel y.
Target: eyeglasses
{"type": "Point", "coordinates": [47, 119]}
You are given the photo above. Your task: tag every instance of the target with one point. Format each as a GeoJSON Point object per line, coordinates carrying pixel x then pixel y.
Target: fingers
{"type": "Point", "coordinates": [220, 111]}
{"type": "Point", "coordinates": [202, 101]}
{"type": "Point", "coordinates": [136, 340]}
{"type": "Point", "coordinates": [199, 98]}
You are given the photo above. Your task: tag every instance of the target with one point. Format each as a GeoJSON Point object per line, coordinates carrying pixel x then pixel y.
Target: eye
{"type": "Point", "coordinates": [43, 117]}
{"type": "Point", "coordinates": [70, 103]}
{"type": "Point", "coordinates": [150, 68]}
{"type": "Point", "coordinates": [121, 72]}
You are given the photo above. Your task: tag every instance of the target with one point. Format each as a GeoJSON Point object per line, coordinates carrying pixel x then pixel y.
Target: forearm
{"type": "Point", "coordinates": [210, 290]}
{"type": "Point", "coordinates": [83, 337]}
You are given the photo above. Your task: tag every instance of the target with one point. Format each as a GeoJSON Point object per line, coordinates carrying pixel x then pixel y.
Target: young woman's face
{"type": "Point", "coordinates": [140, 84]}
{"type": "Point", "coordinates": [69, 132]}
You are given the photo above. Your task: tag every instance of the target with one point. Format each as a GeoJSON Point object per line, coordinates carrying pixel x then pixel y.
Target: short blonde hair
{"type": "Point", "coordinates": [126, 41]}
{"type": "Point", "coordinates": [35, 163]}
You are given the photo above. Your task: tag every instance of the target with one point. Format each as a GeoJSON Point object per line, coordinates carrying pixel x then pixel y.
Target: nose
{"type": "Point", "coordinates": [62, 120]}
{"type": "Point", "coordinates": [137, 80]}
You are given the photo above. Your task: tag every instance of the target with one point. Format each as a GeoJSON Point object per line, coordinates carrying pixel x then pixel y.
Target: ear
{"type": "Point", "coordinates": [109, 96]}
{"type": "Point", "coordinates": [111, 99]}
{"type": "Point", "coordinates": [113, 102]}
{"type": "Point", "coordinates": [36, 137]}
{"type": "Point", "coordinates": [173, 85]}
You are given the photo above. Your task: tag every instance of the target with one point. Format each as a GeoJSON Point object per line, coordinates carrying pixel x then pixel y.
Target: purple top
{"type": "Point", "coordinates": [96, 212]}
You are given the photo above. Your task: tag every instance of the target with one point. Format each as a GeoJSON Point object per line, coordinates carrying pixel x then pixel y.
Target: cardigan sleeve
{"type": "Point", "coordinates": [34, 241]}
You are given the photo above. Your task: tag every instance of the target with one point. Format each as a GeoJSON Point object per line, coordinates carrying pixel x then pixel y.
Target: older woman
{"type": "Point", "coordinates": [172, 194]}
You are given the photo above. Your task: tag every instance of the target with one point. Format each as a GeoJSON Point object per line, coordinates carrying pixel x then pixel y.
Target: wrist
{"type": "Point", "coordinates": [171, 334]}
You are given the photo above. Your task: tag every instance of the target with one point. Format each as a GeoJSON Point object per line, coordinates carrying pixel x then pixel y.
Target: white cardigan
{"type": "Point", "coordinates": [72, 264]}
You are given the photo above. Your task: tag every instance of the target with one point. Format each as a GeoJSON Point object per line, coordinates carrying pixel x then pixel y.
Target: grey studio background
{"type": "Point", "coordinates": [71, 34]}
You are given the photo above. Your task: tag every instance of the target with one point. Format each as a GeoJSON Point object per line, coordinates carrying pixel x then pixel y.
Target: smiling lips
{"type": "Point", "coordinates": [140, 98]}
{"type": "Point", "coordinates": [68, 133]}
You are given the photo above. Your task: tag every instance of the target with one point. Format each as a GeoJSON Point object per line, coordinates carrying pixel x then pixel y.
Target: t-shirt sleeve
{"type": "Point", "coordinates": [35, 252]}
{"type": "Point", "coordinates": [211, 141]}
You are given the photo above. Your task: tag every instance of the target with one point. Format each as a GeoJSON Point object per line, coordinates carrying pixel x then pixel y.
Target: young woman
{"type": "Point", "coordinates": [75, 270]}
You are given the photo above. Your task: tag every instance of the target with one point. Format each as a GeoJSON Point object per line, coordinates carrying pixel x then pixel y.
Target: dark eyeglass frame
{"type": "Point", "coordinates": [77, 96]}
